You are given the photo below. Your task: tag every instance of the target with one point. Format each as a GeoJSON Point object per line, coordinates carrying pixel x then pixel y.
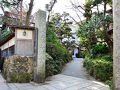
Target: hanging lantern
{"type": "Point", "coordinates": [24, 33]}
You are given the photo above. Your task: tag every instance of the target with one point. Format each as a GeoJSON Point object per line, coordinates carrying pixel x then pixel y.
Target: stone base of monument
{"type": "Point", "coordinates": [18, 69]}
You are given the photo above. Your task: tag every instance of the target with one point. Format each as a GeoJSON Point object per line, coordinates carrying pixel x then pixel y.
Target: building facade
{"type": "Point", "coordinates": [19, 42]}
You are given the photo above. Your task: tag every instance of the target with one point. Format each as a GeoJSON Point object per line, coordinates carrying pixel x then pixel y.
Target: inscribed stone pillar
{"type": "Point", "coordinates": [40, 23]}
{"type": "Point", "coordinates": [0, 35]}
{"type": "Point", "coordinates": [116, 39]}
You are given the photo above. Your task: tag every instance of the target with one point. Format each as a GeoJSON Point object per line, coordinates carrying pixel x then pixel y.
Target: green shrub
{"type": "Point", "coordinates": [108, 57]}
{"type": "Point", "coordinates": [5, 33]}
{"type": "Point", "coordinates": [59, 53]}
{"type": "Point", "coordinates": [98, 49]}
{"type": "Point", "coordinates": [99, 68]}
{"type": "Point", "coordinates": [52, 67]}
{"type": "Point", "coordinates": [110, 83]}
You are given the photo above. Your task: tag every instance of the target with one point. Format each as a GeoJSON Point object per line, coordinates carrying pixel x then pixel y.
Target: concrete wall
{"type": "Point", "coordinates": [21, 36]}
{"type": "Point", "coordinates": [24, 44]}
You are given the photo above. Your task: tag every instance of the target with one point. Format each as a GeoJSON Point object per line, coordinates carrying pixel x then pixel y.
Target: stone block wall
{"type": "Point", "coordinates": [18, 69]}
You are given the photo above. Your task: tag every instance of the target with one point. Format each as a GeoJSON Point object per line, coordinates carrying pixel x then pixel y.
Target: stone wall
{"type": "Point", "coordinates": [18, 69]}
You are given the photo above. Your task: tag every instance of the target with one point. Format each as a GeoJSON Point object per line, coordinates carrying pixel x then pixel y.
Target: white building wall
{"type": "Point", "coordinates": [21, 36]}
{"type": "Point", "coordinates": [8, 44]}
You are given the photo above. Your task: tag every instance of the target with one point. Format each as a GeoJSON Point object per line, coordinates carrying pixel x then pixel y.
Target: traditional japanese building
{"type": "Point", "coordinates": [19, 42]}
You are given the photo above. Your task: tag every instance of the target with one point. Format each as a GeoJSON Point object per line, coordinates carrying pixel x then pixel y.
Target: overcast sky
{"type": "Point", "coordinates": [60, 7]}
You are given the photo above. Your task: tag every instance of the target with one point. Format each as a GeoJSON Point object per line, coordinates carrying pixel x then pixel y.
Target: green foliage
{"type": "Point", "coordinates": [110, 83]}
{"type": "Point", "coordinates": [60, 24]}
{"type": "Point", "coordinates": [59, 53]}
{"type": "Point", "coordinates": [6, 4]}
{"type": "Point", "coordinates": [108, 57]}
{"type": "Point", "coordinates": [99, 68]}
{"type": "Point", "coordinates": [98, 49]}
{"type": "Point", "coordinates": [51, 36]}
{"type": "Point", "coordinates": [92, 31]}
{"type": "Point", "coordinates": [5, 33]}
{"type": "Point", "coordinates": [50, 66]}
{"type": "Point", "coordinates": [98, 61]}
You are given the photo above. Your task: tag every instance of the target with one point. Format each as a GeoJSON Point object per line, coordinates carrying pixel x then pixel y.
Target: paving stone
{"type": "Point", "coordinates": [75, 69]}
{"type": "Point", "coordinates": [12, 87]}
{"type": "Point", "coordinates": [4, 87]}
{"type": "Point", "coordinates": [56, 82]}
{"type": "Point", "coordinates": [50, 87]}
{"type": "Point", "coordinates": [76, 87]}
{"type": "Point", "coordinates": [61, 85]}
{"type": "Point", "coordinates": [37, 88]}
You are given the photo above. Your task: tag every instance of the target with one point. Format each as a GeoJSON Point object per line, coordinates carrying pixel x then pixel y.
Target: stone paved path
{"type": "Point", "coordinates": [57, 82]}
{"type": "Point", "coordinates": [60, 82]}
{"type": "Point", "coordinates": [75, 69]}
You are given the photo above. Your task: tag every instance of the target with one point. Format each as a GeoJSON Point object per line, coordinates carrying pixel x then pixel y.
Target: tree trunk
{"type": "Point", "coordinates": [2, 9]}
{"type": "Point", "coordinates": [106, 37]}
{"type": "Point", "coordinates": [98, 9]}
{"type": "Point", "coordinates": [21, 14]}
{"type": "Point", "coordinates": [27, 23]}
{"type": "Point", "coordinates": [108, 41]}
{"type": "Point", "coordinates": [105, 8]}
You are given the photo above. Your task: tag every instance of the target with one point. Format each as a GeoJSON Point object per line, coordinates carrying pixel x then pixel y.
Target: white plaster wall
{"type": "Point", "coordinates": [12, 42]}
{"type": "Point", "coordinates": [75, 52]}
{"type": "Point", "coordinates": [21, 36]}
{"type": "Point", "coordinates": [8, 44]}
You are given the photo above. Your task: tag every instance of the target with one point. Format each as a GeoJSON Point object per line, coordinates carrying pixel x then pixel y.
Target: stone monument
{"type": "Point", "coordinates": [40, 24]}
{"type": "Point", "coordinates": [116, 39]}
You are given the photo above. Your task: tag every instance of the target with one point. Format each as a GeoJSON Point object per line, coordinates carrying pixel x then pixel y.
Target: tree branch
{"type": "Point", "coordinates": [74, 20]}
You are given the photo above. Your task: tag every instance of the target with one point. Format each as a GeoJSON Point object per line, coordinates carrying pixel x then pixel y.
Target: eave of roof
{"type": "Point", "coordinates": [7, 39]}
{"type": "Point", "coordinates": [22, 27]}
{"type": "Point", "coordinates": [13, 27]}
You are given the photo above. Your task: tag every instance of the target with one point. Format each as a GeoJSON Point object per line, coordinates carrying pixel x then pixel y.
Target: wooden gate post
{"type": "Point", "coordinates": [40, 24]}
{"type": "Point", "coordinates": [116, 40]}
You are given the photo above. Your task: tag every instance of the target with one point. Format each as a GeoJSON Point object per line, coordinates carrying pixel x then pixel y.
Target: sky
{"type": "Point", "coordinates": [60, 7]}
